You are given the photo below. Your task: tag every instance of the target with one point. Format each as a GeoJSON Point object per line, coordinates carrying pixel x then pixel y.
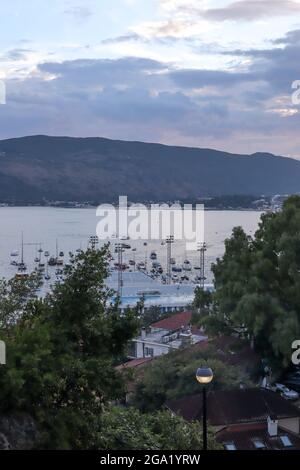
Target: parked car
{"type": "Point", "coordinates": [286, 392]}
{"type": "Point", "coordinates": [292, 381]}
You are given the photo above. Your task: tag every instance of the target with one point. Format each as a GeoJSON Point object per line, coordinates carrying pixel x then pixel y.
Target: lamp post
{"type": "Point", "coordinates": [204, 375]}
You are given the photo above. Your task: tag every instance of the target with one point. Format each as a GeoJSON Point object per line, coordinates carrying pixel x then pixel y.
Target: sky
{"type": "Point", "coordinates": [205, 73]}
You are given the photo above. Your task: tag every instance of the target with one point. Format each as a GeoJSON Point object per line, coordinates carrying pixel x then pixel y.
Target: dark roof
{"type": "Point", "coordinates": [175, 322]}
{"type": "Point", "coordinates": [234, 406]}
{"type": "Point", "coordinates": [243, 437]}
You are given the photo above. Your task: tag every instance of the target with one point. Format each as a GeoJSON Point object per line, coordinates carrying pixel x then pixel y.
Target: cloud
{"type": "Point", "coordinates": [123, 38]}
{"type": "Point", "coordinates": [16, 54]}
{"type": "Point", "coordinates": [252, 10]}
{"type": "Point", "coordinates": [79, 12]}
{"type": "Point", "coordinates": [242, 109]}
{"type": "Point", "coordinates": [292, 38]}
{"type": "Point", "coordinates": [201, 78]}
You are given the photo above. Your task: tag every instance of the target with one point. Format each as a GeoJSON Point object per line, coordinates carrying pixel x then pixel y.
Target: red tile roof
{"type": "Point", "coordinates": [175, 322]}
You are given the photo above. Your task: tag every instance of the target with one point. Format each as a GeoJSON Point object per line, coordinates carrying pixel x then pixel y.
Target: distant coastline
{"type": "Point", "coordinates": [225, 203]}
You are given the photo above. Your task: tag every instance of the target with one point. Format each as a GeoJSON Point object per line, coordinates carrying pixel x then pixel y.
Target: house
{"type": "Point", "coordinates": [132, 372]}
{"type": "Point", "coordinates": [245, 419]}
{"type": "Point", "coordinates": [165, 335]}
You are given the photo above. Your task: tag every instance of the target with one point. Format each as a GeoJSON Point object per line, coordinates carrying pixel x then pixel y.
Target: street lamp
{"type": "Point", "coordinates": [204, 375]}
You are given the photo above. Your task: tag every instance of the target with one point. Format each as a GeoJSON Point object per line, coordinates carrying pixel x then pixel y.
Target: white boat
{"type": "Point", "coordinates": [41, 266]}
{"type": "Point", "coordinates": [141, 266]}
{"type": "Point", "coordinates": [22, 267]}
{"type": "Point", "coordinates": [176, 269]}
{"type": "Point", "coordinates": [14, 253]}
{"type": "Point", "coordinates": [186, 265]}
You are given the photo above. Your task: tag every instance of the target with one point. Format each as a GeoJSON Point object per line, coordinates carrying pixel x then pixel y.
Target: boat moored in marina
{"type": "Point", "coordinates": [177, 269]}
{"type": "Point", "coordinates": [187, 265]}
{"type": "Point", "coordinates": [52, 261]}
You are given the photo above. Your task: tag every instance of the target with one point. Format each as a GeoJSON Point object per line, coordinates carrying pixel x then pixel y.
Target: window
{"type": "Point", "coordinates": [259, 444]}
{"type": "Point", "coordinates": [230, 446]}
{"type": "Point", "coordinates": [286, 441]}
{"type": "Point", "coordinates": [149, 352]}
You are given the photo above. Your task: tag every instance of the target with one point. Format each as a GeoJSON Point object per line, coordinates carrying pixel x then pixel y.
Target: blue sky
{"type": "Point", "coordinates": [208, 73]}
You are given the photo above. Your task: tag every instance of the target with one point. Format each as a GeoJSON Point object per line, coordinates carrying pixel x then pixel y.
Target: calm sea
{"type": "Point", "coordinates": [71, 228]}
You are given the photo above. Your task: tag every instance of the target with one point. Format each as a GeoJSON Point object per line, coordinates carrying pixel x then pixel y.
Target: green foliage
{"type": "Point", "coordinates": [173, 376]}
{"type": "Point", "coordinates": [128, 429]}
{"type": "Point", "coordinates": [203, 299]}
{"type": "Point", "coordinates": [258, 282]}
{"type": "Point", "coordinates": [205, 313]}
{"type": "Point", "coordinates": [61, 353]}
{"type": "Point", "coordinates": [15, 294]}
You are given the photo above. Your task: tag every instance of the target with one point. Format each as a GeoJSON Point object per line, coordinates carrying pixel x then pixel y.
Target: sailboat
{"type": "Point", "coordinates": [59, 261]}
{"type": "Point", "coordinates": [22, 268]}
{"type": "Point", "coordinates": [14, 253]}
{"type": "Point", "coordinates": [47, 275]}
{"type": "Point", "coordinates": [41, 266]}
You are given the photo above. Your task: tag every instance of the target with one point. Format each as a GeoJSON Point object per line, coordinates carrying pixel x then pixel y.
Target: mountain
{"type": "Point", "coordinates": [96, 169]}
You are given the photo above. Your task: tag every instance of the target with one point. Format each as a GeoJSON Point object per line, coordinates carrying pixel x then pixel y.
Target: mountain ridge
{"type": "Point", "coordinates": [41, 167]}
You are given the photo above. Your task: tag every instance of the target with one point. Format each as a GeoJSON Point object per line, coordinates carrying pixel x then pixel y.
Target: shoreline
{"type": "Point", "coordinates": [48, 206]}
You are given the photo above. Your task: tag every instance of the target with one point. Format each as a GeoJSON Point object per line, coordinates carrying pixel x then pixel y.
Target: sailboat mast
{"type": "Point", "coordinates": [22, 249]}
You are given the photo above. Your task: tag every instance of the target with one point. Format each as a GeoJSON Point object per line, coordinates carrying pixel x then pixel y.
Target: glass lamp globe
{"type": "Point", "coordinates": [204, 375]}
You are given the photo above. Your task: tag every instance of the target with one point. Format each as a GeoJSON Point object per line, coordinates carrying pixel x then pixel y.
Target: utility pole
{"type": "Point", "coordinates": [169, 242]}
{"type": "Point", "coordinates": [202, 249]}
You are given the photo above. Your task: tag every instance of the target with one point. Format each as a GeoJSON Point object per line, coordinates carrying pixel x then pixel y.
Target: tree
{"type": "Point", "coordinates": [258, 282]}
{"type": "Point", "coordinates": [61, 353]}
{"type": "Point", "coordinates": [203, 300]}
{"type": "Point", "coordinates": [128, 429]}
{"type": "Point", "coordinates": [15, 294]}
{"type": "Point", "coordinates": [173, 376]}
